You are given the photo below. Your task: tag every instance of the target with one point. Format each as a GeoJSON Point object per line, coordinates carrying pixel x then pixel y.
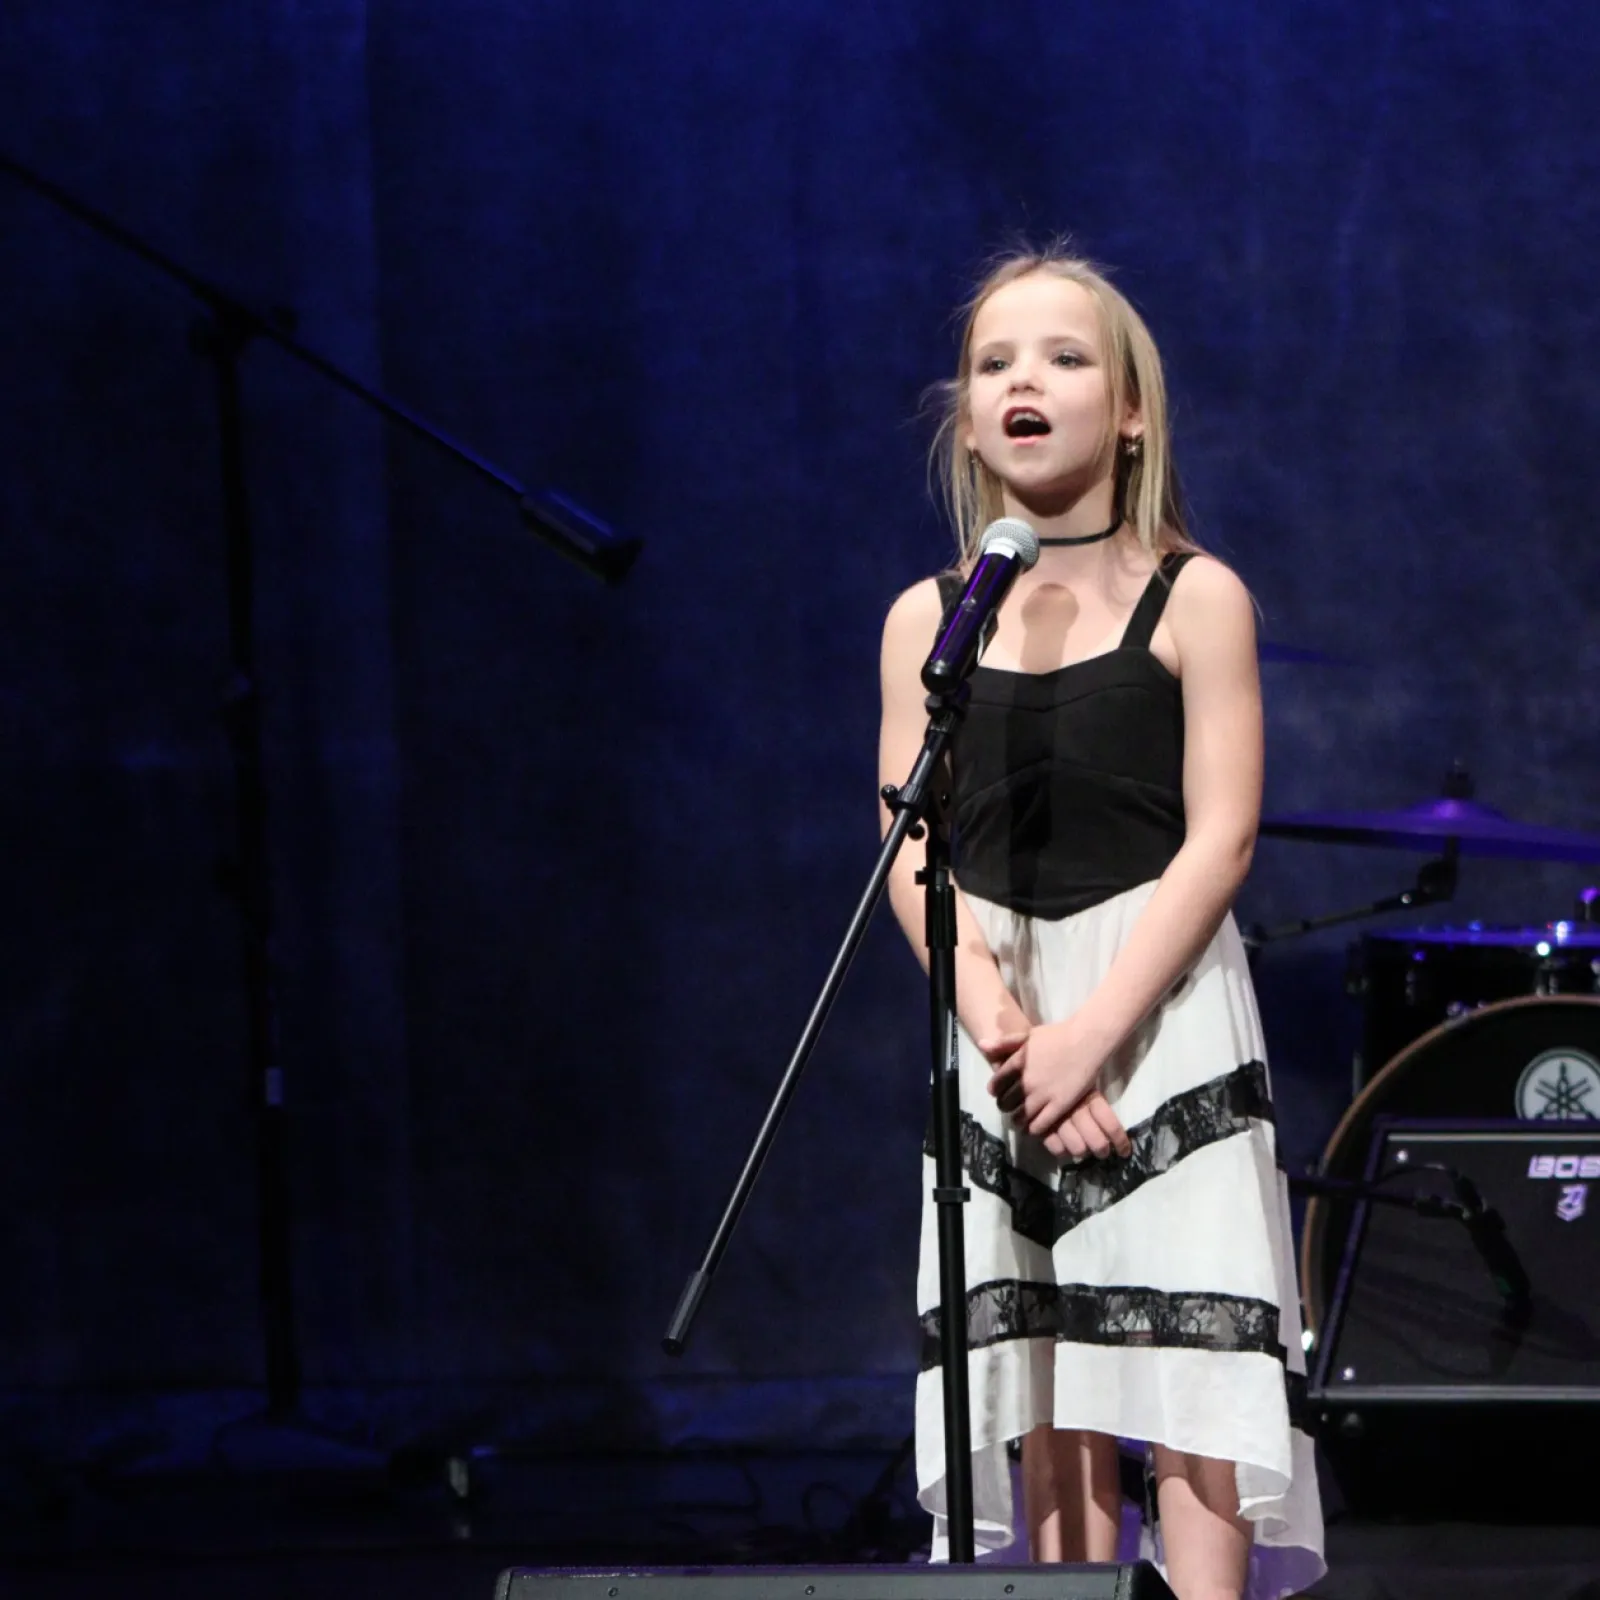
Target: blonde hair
{"type": "Point", "coordinates": [1146, 485]}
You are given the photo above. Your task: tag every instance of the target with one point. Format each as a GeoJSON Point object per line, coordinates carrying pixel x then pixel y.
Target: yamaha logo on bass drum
{"type": "Point", "coordinates": [1561, 1086]}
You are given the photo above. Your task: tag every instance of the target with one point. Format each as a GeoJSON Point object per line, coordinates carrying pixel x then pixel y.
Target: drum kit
{"type": "Point", "coordinates": [1467, 1021]}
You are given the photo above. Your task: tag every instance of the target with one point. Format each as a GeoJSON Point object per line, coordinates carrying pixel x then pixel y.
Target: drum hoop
{"type": "Point", "coordinates": [1316, 1205]}
{"type": "Point", "coordinates": [1474, 939]}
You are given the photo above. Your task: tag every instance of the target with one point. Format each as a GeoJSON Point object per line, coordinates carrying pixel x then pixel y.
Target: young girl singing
{"type": "Point", "coordinates": [1128, 1258]}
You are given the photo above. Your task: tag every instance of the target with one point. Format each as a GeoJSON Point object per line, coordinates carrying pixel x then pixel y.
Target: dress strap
{"type": "Point", "coordinates": [1142, 624]}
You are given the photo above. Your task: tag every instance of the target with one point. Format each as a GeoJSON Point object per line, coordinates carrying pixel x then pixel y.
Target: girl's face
{"type": "Point", "coordinates": [1037, 395]}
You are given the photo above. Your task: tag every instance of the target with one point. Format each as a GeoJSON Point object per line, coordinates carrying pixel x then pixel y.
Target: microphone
{"type": "Point", "coordinates": [1008, 546]}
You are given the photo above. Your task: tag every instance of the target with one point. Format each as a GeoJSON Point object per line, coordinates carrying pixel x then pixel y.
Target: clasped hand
{"type": "Point", "coordinates": [1046, 1079]}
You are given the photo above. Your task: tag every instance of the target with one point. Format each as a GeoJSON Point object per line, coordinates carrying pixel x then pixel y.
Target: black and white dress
{"type": "Point", "coordinates": [1150, 1298]}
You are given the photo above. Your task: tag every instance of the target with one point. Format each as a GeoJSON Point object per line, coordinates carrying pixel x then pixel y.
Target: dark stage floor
{"type": "Point", "coordinates": [398, 1530]}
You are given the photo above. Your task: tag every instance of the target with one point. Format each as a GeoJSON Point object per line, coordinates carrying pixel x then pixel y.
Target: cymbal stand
{"type": "Point", "coordinates": [1435, 884]}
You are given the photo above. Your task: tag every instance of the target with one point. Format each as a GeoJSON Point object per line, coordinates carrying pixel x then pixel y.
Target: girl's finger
{"type": "Point", "coordinates": [1005, 1085]}
{"type": "Point", "coordinates": [1046, 1118]}
{"type": "Point", "coordinates": [1090, 1131]}
{"type": "Point", "coordinates": [1072, 1141]}
{"type": "Point", "coordinates": [998, 1047]}
{"type": "Point", "coordinates": [1099, 1109]}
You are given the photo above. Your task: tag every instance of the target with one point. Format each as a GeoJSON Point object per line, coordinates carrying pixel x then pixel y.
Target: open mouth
{"type": "Point", "coordinates": [1025, 423]}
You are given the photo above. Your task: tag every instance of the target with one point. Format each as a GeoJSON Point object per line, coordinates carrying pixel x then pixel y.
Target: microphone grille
{"type": "Point", "coordinates": [1011, 536]}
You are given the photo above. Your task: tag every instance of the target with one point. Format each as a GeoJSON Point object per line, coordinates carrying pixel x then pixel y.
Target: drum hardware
{"type": "Point", "coordinates": [1410, 980]}
{"type": "Point", "coordinates": [1466, 1022]}
{"type": "Point", "coordinates": [1435, 883]}
{"type": "Point", "coordinates": [1455, 824]}
{"type": "Point", "coordinates": [1414, 981]}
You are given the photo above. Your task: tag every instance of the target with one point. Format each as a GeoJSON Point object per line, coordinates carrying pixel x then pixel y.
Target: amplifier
{"type": "Point", "coordinates": [1122, 1581]}
{"type": "Point", "coordinates": [1460, 1352]}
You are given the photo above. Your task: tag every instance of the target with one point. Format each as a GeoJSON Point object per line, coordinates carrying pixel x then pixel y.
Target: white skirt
{"type": "Point", "coordinates": [1153, 1298]}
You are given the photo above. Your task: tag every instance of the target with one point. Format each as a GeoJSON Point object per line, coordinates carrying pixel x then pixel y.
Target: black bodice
{"type": "Point", "coordinates": [1069, 784]}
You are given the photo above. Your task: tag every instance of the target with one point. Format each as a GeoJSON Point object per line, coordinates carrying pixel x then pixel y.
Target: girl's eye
{"type": "Point", "coordinates": [992, 364]}
{"type": "Point", "coordinates": [1068, 358]}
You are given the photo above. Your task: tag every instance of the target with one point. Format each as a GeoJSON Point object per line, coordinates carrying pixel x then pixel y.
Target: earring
{"type": "Point", "coordinates": [1133, 446]}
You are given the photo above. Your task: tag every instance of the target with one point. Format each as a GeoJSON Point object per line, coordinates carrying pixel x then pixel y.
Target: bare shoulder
{"type": "Point", "coordinates": [913, 619]}
{"type": "Point", "coordinates": [1210, 602]}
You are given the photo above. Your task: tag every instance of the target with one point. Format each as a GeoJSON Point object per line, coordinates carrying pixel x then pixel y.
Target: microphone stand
{"type": "Point", "coordinates": [1485, 1227]}
{"type": "Point", "coordinates": [919, 812]}
{"type": "Point", "coordinates": [222, 334]}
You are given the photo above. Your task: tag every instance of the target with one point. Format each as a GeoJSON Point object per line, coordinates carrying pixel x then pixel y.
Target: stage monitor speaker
{"type": "Point", "coordinates": [1458, 1371]}
{"type": "Point", "coordinates": [1133, 1581]}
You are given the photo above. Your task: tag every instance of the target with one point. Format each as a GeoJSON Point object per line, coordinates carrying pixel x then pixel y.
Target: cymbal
{"type": "Point", "coordinates": [1479, 830]}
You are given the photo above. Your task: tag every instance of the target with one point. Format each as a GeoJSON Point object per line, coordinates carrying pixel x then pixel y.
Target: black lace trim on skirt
{"type": "Point", "coordinates": [1187, 1122]}
{"type": "Point", "coordinates": [1077, 1313]}
{"type": "Point", "coordinates": [988, 1166]}
{"type": "Point", "coordinates": [1142, 1318]}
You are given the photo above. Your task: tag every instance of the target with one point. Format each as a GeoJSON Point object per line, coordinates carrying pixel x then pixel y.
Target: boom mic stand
{"type": "Point", "coordinates": [226, 328]}
{"type": "Point", "coordinates": [1484, 1225]}
{"type": "Point", "coordinates": [919, 812]}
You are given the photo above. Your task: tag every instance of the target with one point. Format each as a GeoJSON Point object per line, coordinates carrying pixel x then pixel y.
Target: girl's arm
{"type": "Point", "coordinates": [985, 1006]}
{"type": "Point", "coordinates": [1213, 627]}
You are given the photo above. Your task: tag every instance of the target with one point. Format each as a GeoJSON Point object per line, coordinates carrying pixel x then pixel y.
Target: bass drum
{"type": "Point", "coordinates": [1537, 1059]}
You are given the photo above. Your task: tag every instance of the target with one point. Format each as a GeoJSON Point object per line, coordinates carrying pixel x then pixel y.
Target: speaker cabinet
{"type": "Point", "coordinates": [1134, 1581]}
{"type": "Point", "coordinates": [1458, 1370]}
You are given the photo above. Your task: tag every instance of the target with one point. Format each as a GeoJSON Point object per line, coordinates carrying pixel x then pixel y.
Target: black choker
{"type": "Point", "coordinates": [1085, 538]}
